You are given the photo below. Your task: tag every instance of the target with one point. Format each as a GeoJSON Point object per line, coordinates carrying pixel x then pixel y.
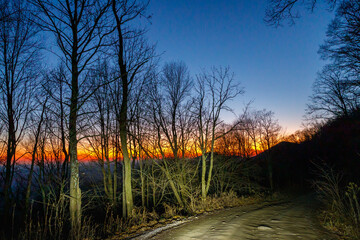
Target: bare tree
{"type": "Point", "coordinates": [132, 54]}
{"type": "Point", "coordinates": [252, 128]}
{"type": "Point", "coordinates": [39, 119]}
{"type": "Point", "coordinates": [80, 28]}
{"type": "Point", "coordinates": [281, 10]}
{"type": "Point", "coordinates": [342, 44]}
{"type": "Point", "coordinates": [336, 90]}
{"type": "Point", "coordinates": [177, 85]}
{"type": "Point", "coordinates": [18, 80]}
{"type": "Point", "coordinates": [169, 97]}
{"type": "Point", "coordinates": [332, 96]}
{"type": "Point", "coordinates": [270, 135]}
{"type": "Point", "coordinates": [57, 116]}
{"type": "Point", "coordinates": [138, 129]}
{"type": "Point", "coordinates": [100, 136]}
{"type": "Point", "coordinates": [214, 90]}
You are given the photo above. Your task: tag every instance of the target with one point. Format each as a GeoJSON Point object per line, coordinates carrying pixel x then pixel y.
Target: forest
{"type": "Point", "coordinates": [100, 137]}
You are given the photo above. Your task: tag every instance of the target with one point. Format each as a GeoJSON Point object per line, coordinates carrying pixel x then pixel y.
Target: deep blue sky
{"type": "Point", "coordinates": [276, 66]}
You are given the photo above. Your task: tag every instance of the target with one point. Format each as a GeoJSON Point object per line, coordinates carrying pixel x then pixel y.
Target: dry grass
{"type": "Point", "coordinates": [53, 222]}
{"type": "Point", "coordinates": [342, 210]}
{"type": "Point", "coordinates": [171, 211]}
{"type": "Point", "coordinates": [141, 220]}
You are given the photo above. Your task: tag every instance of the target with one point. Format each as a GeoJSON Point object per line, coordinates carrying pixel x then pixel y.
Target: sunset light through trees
{"type": "Point", "coordinates": [121, 119]}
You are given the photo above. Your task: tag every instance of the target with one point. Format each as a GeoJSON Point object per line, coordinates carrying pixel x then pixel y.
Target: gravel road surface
{"type": "Point", "coordinates": [295, 219]}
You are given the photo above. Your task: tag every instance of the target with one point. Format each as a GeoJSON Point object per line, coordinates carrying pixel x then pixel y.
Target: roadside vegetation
{"type": "Point", "coordinates": [154, 202]}
{"type": "Point", "coordinates": [341, 213]}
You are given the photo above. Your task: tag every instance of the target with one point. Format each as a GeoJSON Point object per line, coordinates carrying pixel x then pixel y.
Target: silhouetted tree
{"type": "Point", "coordinates": [253, 129]}
{"type": "Point", "coordinates": [342, 44]}
{"type": "Point", "coordinates": [57, 113]}
{"type": "Point", "coordinates": [100, 135]}
{"type": "Point", "coordinates": [177, 86]}
{"type": "Point", "coordinates": [281, 10]}
{"type": "Point", "coordinates": [169, 97]}
{"type": "Point", "coordinates": [336, 90]}
{"type": "Point", "coordinates": [270, 135]}
{"type": "Point", "coordinates": [332, 96]}
{"type": "Point", "coordinates": [342, 47]}
{"type": "Point", "coordinates": [138, 129]}
{"type": "Point", "coordinates": [18, 80]}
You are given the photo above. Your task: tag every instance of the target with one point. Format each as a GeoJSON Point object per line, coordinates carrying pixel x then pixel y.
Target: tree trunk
{"type": "Point", "coordinates": [211, 162]}
{"type": "Point", "coordinates": [10, 158]}
{"type": "Point", "coordinates": [203, 176]}
{"type": "Point", "coordinates": [142, 179]}
{"type": "Point", "coordinates": [75, 192]}
{"type": "Point", "coordinates": [115, 179]}
{"type": "Point", "coordinates": [123, 139]}
{"type": "Point", "coordinates": [37, 134]}
{"type": "Point", "coordinates": [172, 184]}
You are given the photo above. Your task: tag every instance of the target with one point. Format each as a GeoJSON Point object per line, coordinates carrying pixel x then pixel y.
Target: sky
{"type": "Point", "coordinates": [276, 66]}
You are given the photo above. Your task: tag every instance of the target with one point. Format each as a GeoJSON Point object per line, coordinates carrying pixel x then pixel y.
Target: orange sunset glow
{"type": "Point", "coordinates": [225, 146]}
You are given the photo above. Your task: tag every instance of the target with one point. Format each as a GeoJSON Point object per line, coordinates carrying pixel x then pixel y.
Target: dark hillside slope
{"type": "Point", "coordinates": [289, 163]}
{"type": "Point", "coordinates": [336, 144]}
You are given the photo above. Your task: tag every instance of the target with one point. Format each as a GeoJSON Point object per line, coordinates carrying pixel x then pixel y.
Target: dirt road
{"type": "Point", "coordinates": [287, 220]}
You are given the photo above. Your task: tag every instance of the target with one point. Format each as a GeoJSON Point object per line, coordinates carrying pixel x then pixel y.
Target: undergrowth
{"type": "Point", "coordinates": [341, 213]}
